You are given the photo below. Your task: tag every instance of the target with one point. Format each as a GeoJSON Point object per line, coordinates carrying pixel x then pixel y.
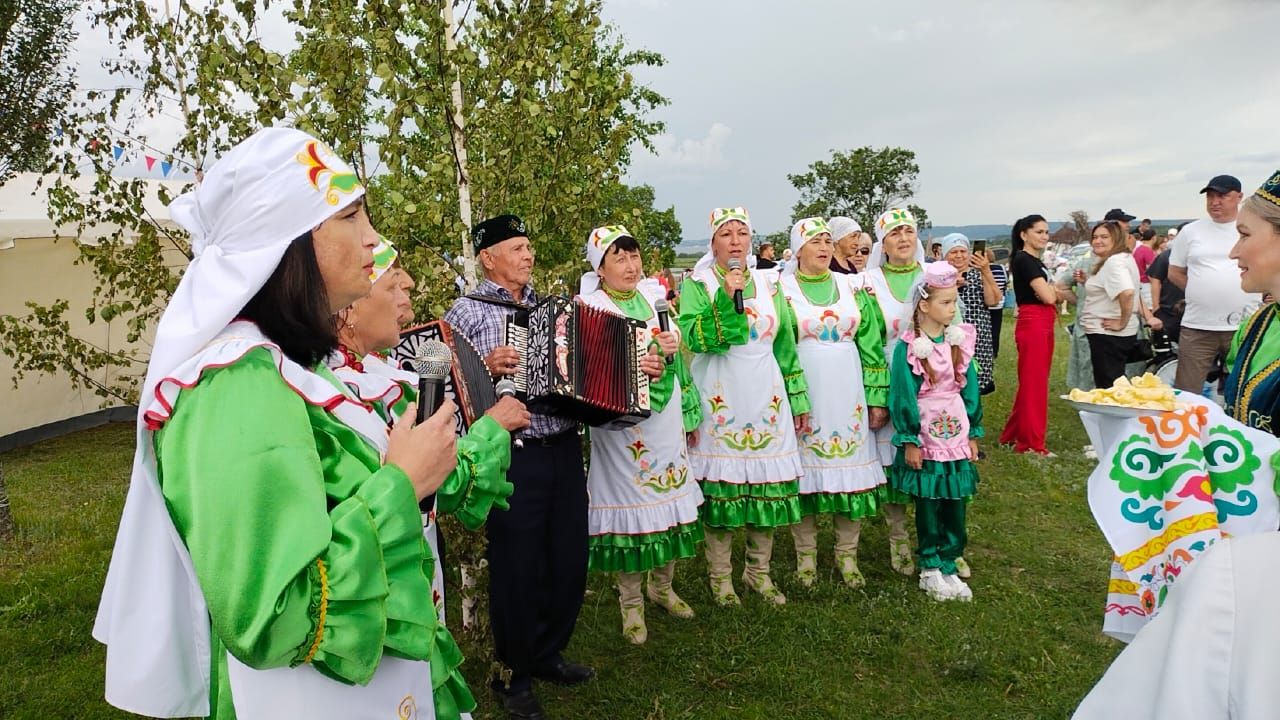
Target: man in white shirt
{"type": "Point", "coordinates": [1215, 305]}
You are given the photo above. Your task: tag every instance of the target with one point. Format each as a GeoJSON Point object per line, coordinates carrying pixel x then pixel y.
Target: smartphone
{"type": "Point", "coordinates": [979, 246]}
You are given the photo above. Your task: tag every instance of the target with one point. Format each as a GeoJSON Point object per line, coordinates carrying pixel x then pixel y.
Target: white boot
{"type": "Point", "coordinates": [932, 582]}
{"type": "Point", "coordinates": [959, 587]}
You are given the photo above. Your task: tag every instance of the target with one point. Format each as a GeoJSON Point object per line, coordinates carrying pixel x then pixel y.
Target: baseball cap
{"type": "Point", "coordinates": [1118, 215]}
{"type": "Point", "coordinates": [1222, 184]}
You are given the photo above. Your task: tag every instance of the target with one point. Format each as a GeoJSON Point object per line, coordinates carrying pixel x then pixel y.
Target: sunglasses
{"type": "Point", "coordinates": [863, 251]}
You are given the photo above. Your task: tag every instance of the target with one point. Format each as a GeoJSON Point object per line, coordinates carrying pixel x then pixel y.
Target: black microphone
{"type": "Point", "coordinates": [664, 323]}
{"type": "Point", "coordinates": [432, 363]}
{"type": "Point", "coordinates": [736, 264]}
{"type": "Point", "coordinates": [506, 387]}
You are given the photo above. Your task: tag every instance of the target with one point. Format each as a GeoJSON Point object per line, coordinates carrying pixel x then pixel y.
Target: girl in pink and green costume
{"type": "Point", "coordinates": [754, 401]}
{"type": "Point", "coordinates": [936, 410]}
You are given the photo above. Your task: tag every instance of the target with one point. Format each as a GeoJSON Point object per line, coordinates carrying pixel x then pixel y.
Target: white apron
{"type": "Point", "coordinates": [838, 454]}
{"type": "Point", "coordinates": [639, 481]}
{"type": "Point", "coordinates": [894, 311]}
{"type": "Point", "coordinates": [747, 435]}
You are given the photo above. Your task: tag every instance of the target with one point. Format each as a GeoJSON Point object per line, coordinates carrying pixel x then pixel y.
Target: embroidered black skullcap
{"type": "Point", "coordinates": [495, 230]}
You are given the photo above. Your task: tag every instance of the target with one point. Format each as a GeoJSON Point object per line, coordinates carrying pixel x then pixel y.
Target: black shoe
{"type": "Point", "coordinates": [563, 672]}
{"type": "Point", "coordinates": [521, 705]}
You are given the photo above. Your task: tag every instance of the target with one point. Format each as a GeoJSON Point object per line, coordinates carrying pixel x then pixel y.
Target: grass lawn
{"type": "Point", "coordinates": [1028, 647]}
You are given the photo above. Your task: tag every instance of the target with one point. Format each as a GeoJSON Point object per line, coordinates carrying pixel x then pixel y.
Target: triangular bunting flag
{"type": "Point", "coordinates": [165, 167]}
{"type": "Point", "coordinates": [117, 151]}
{"type": "Point", "coordinates": [150, 161]}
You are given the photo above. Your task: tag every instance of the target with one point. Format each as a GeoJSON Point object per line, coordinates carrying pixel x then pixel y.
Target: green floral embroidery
{"type": "Point", "coordinates": [1231, 459]}
{"type": "Point", "coordinates": [749, 438]}
{"type": "Point", "coordinates": [336, 182]}
{"type": "Point", "coordinates": [836, 446]}
{"type": "Point", "coordinates": [638, 449]}
{"type": "Point", "coordinates": [1138, 467]}
{"type": "Point", "coordinates": [945, 426]}
{"type": "Point", "coordinates": [670, 478]}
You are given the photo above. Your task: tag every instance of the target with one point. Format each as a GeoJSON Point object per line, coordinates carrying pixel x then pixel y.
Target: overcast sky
{"type": "Point", "coordinates": [1012, 106]}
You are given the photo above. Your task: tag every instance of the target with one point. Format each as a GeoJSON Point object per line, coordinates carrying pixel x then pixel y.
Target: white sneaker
{"type": "Point", "coordinates": [932, 582]}
{"type": "Point", "coordinates": [960, 588]}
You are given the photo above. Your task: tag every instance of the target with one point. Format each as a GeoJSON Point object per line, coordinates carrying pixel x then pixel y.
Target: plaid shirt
{"type": "Point", "coordinates": [483, 324]}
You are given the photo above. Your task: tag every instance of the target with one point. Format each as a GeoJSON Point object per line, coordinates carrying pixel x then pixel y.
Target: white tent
{"type": "Point", "coordinates": [24, 208]}
{"type": "Point", "coordinates": [36, 268]}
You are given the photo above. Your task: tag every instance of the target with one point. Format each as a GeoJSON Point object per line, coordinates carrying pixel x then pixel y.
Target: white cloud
{"type": "Point", "coordinates": [687, 154]}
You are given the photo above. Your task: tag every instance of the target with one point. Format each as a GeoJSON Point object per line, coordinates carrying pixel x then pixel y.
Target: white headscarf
{"type": "Point", "coordinates": [842, 226]}
{"type": "Point", "coordinates": [952, 241]}
{"type": "Point", "coordinates": [886, 223]}
{"type": "Point", "coordinates": [719, 217]}
{"type": "Point", "coordinates": [802, 232]}
{"type": "Point", "coordinates": [598, 243]}
{"type": "Point", "coordinates": [264, 193]}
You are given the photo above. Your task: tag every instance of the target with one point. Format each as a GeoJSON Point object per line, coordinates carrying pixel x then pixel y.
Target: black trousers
{"type": "Point", "coordinates": [997, 320]}
{"type": "Point", "coordinates": [1172, 323]}
{"type": "Point", "coordinates": [1108, 354]}
{"type": "Point", "coordinates": [538, 556]}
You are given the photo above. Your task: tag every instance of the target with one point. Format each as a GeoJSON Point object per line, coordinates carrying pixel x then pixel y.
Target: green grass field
{"type": "Point", "coordinates": [1028, 647]}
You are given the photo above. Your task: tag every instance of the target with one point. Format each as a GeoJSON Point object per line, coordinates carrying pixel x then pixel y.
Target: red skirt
{"type": "Point", "coordinates": [1029, 417]}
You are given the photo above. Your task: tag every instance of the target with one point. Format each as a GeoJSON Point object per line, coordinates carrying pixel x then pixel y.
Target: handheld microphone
{"type": "Point", "coordinates": [664, 323]}
{"type": "Point", "coordinates": [736, 264]}
{"type": "Point", "coordinates": [506, 387]}
{"type": "Point", "coordinates": [432, 363]}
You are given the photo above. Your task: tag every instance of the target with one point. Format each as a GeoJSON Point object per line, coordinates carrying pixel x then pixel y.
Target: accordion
{"type": "Point", "coordinates": [468, 383]}
{"type": "Point", "coordinates": [580, 362]}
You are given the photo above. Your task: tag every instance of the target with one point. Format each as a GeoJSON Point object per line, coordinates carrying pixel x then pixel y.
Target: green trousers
{"type": "Point", "coordinates": [940, 532]}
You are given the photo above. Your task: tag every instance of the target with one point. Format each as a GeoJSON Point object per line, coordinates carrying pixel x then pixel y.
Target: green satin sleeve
{"type": "Point", "coordinates": [306, 548]}
{"type": "Point", "coordinates": [869, 338]}
{"type": "Point", "coordinates": [662, 387]}
{"type": "Point", "coordinates": [709, 325]}
{"type": "Point", "coordinates": [972, 396]}
{"type": "Point", "coordinates": [690, 398]}
{"type": "Point", "coordinates": [479, 482]}
{"type": "Point", "coordinates": [784, 351]}
{"type": "Point", "coordinates": [904, 392]}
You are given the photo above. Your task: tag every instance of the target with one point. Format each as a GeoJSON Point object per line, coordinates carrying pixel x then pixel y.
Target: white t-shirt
{"type": "Point", "coordinates": [1101, 292]}
{"type": "Point", "coordinates": [1214, 298]}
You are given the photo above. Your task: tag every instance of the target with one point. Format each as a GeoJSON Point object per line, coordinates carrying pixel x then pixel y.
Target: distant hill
{"type": "Point", "coordinates": [974, 232]}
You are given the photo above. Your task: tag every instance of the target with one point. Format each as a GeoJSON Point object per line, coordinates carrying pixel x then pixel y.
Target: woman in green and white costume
{"type": "Point", "coordinates": [897, 259]}
{"type": "Point", "coordinates": [643, 514]}
{"type": "Point", "coordinates": [373, 323]}
{"type": "Point", "coordinates": [842, 352]}
{"type": "Point", "coordinates": [270, 560]}
{"type": "Point", "coordinates": [754, 401]}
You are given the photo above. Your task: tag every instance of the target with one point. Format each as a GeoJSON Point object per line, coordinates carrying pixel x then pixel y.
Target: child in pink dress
{"type": "Point", "coordinates": [937, 418]}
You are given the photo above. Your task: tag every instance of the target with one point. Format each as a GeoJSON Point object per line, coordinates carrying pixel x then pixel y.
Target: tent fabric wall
{"type": "Point", "coordinates": [34, 267]}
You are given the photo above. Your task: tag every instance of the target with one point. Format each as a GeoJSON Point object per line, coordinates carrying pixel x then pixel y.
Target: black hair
{"type": "Point", "coordinates": [292, 308]}
{"type": "Point", "coordinates": [1022, 226]}
{"type": "Point", "coordinates": [624, 243]}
